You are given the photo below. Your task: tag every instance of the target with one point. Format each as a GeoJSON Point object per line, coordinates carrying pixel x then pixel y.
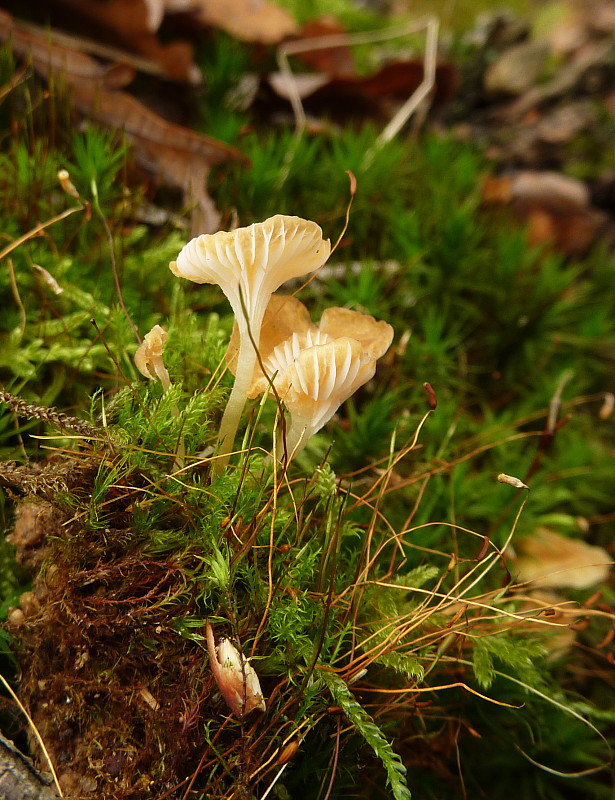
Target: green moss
{"type": "Point", "coordinates": [376, 550]}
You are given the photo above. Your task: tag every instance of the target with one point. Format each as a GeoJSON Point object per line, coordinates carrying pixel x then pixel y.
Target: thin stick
{"type": "Point", "coordinates": [17, 298]}
{"type": "Point", "coordinates": [39, 229]}
{"type": "Point", "coordinates": [37, 735]}
{"type": "Point", "coordinates": [429, 23]}
{"type": "Point", "coordinates": [432, 26]}
{"type": "Point", "coordinates": [116, 279]}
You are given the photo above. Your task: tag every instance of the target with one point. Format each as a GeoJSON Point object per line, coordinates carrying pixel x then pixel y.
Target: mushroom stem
{"type": "Point", "coordinates": [298, 433]}
{"type": "Point", "coordinates": [246, 361]}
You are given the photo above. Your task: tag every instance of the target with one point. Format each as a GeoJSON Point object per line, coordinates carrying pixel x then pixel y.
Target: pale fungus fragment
{"type": "Point", "coordinates": [148, 358]}
{"type": "Point", "coordinates": [235, 676]}
{"type": "Point", "coordinates": [249, 264]}
{"type": "Point", "coordinates": [510, 480]}
{"type": "Point", "coordinates": [67, 185]}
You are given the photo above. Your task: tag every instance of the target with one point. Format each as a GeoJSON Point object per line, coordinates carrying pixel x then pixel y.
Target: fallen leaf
{"type": "Point", "coordinates": [248, 20]}
{"type": "Point", "coordinates": [555, 208]}
{"type": "Point", "coordinates": [337, 61]}
{"type": "Point", "coordinates": [516, 69]}
{"type": "Point", "coordinates": [549, 560]}
{"type": "Point", "coordinates": [176, 155]}
{"type": "Point", "coordinates": [128, 22]}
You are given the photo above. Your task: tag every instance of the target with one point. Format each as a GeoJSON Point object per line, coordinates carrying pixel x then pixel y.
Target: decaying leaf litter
{"type": "Point", "coordinates": [115, 579]}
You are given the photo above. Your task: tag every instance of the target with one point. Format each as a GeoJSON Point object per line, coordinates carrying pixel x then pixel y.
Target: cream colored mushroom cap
{"type": "Point", "coordinates": [374, 335]}
{"type": "Point", "coordinates": [256, 259]}
{"type": "Point", "coordinates": [322, 377]}
{"type": "Point", "coordinates": [284, 355]}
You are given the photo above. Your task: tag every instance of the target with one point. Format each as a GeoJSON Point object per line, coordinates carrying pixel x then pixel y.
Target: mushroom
{"type": "Point", "coordinates": [148, 357]}
{"type": "Point", "coordinates": [317, 382]}
{"type": "Point", "coordinates": [148, 360]}
{"type": "Point", "coordinates": [249, 264]}
{"type": "Point", "coordinates": [284, 316]}
{"type": "Point", "coordinates": [374, 335]}
{"type": "Point", "coordinates": [316, 368]}
{"type": "Point", "coordinates": [235, 676]}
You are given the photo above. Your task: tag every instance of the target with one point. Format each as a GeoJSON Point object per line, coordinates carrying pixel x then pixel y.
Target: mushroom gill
{"type": "Point", "coordinates": [317, 382]}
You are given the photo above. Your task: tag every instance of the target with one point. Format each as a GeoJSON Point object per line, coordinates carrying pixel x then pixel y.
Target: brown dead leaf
{"type": "Point", "coordinates": [128, 22]}
{"type": "Point", "coordinates": [176, 155]}
{"type": "Point", "coordinates": [555, 208]}
{"type": "Point", "coordinates": [248, 20]}
{"type": "Point", "coordinates": [30, 41]}
{"type": "Point", "coordinates": [336, 62]}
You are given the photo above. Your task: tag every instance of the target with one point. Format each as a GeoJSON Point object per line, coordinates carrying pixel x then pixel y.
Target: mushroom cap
{"type": "Point", "coordinates": [287, 329]}
{"type": "Point", "coordinates": [253, 262]}
{"type": "Point", "coordinates": [149, 352]}
{"type": "Point", "coordinates": [284, 355]}
{"type": "Point", "coordinates": [374, 335]}
{"type": "Point", "coordinates": [320, 379]}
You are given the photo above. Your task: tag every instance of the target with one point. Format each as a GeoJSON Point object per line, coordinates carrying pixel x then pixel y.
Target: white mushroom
{"type": "Point", "coordinates": [249, 264]}
{"type": "Point", "coordinates": [315, 368]}
{"type": "Point", "coordinates": [284, 316]}
{"type": "Point", "coordinates": [317, 382]}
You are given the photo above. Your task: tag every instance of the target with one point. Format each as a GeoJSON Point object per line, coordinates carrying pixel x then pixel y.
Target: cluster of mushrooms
{"type": "Point", "coordinates": [275, 347]}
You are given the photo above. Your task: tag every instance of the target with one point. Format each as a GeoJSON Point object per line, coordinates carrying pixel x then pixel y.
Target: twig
{"type": "Point", "coordinates": [39, 229]}
{"type": "Point", "coordinates": [17, 298]}
{"type": "Point", "coordinates": [116, 279]}
{"type": "Point", "coordinates": [429, 23]}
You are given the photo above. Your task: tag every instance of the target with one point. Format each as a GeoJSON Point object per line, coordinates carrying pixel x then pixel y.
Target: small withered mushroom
{"type": "Point", "coordinates": [149, 362]}
{"type": "Point", "coordinates": [235, 676]}
{"type": "Point", "coordinates": [148, 358]}
{"type": "Point", "coordinates": [249, 264]}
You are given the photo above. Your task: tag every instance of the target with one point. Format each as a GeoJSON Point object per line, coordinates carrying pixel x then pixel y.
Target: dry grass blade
{"type": "Point", "coordinates": [430, 24]}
